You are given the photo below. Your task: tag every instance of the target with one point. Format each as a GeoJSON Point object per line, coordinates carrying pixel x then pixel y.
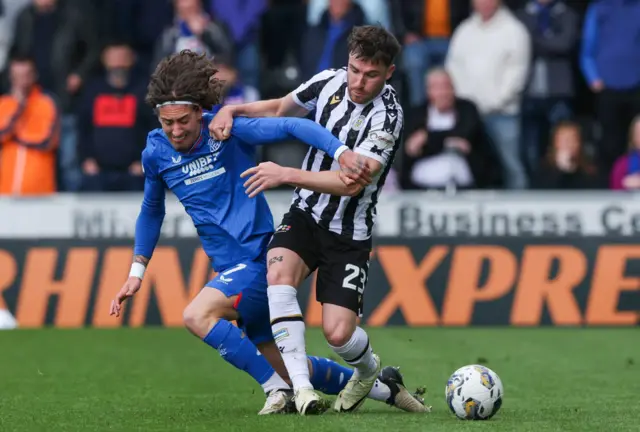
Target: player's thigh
{"type": "Point", "coordinates": [293, 251]}
{"type": "Point", "coordinates": [342, 277]}
{"type": "Point", "coordinates": [285, 267]}
{"type": "Point", "coordinates": [206, 308]}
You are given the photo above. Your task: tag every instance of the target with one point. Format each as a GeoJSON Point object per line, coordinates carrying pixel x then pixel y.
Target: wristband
{"type": "Point", "coordinates": [341, 149]}
{"type": "Point", "coordinates": [137, 270]}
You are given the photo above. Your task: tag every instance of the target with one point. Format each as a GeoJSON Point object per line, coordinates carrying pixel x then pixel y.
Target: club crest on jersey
{"type": "Point", "coordinates": [214, 145]}
{"type": "Point", "coordinates": [357, 125]}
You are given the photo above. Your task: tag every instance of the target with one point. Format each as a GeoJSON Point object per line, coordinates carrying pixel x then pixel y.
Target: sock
{"type": "Point", "coordinates": [330, 378]}
{"type": "Point", "coordinates": [380, 392]}
{"type": "Point", "coordinates": [243, 354]}
{"type": "Point", "coordinates": [358, 353]}
{"type": "Point", "coordinates": [288, 329]}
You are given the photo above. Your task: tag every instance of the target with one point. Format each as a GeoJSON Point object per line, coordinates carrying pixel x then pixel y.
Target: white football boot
{"type": "Point", "coordinates": [357, 389]}
{"type": "Point", "coordinates": [308, 402]}
{"type": "Point", "coordinates": [276, 403]}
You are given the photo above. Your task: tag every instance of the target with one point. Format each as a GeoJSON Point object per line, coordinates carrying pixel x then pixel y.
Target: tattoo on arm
{"type": "Point", "coordinates": [140, 259]}
{"type": "Point", "coordinates": [275, 260]}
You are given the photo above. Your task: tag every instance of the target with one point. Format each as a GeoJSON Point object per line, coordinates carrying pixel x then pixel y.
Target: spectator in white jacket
{"type": "Point", "coordinates": [489, 59]}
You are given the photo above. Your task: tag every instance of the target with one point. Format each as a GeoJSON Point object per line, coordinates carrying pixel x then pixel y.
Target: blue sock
{"type": "Point", "coordinates": [328, 376]}
{"type": "Point", "coordinates": [239, 351]}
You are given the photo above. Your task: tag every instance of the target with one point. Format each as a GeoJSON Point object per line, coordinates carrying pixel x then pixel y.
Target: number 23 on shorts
{"type": "Point", "coordinates": [352, 281]}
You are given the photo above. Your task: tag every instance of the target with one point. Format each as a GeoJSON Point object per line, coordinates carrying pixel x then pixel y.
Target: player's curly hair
{"type": "Point", "coordinates": [373, 43]}
{"type": "Point", "coordinates": [185, 76]}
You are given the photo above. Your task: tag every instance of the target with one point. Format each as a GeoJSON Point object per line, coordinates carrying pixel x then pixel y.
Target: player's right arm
{"type": "Point", "coordinates": [282, 107]}
{"type": "Point", "coordinates": [148, 226]}
{"type": "Point", "coordinates": [298, 103]}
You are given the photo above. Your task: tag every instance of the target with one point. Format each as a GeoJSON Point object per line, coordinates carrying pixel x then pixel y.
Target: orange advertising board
{"type": "Point", "coordinates": [585, 281]}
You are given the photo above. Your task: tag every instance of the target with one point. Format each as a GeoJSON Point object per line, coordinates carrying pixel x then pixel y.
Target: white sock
{"type": "Point", "coordinates": [288, 329]}
{"type": "Point", "coordinates": [358, 353]}
{"type": "Point", "coordinates": [275, 383]}
{"type": "Point", "coordinates": [380, 392]}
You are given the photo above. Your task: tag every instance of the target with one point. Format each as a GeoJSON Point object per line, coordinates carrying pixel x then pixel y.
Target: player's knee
{"type": "Point", "coordinates": [338, 333]}
{"type": "Point", "coordinates": [197, 321]}
{"type": "Point", "coordinates": [200, 321]}
{"type": "Point", "coordinates": [280, 275]}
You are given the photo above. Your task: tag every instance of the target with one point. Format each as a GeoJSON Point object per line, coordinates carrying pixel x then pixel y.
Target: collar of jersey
{"type": "Point", "coordinates": [200, 138]}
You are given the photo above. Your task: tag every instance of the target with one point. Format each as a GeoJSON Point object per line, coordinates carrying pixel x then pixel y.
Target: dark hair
{"type": "Point", "coordinates": [116, 42]}
{"type": "Point", "coordinates": [21, 58]}
{"type": "Point", "coordinates": [373, 43]}
{"type": "Point", "coordinates": [185, 76]}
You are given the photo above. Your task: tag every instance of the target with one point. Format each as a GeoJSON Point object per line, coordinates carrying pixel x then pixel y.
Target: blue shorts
{"type": "Point", "coordinates": [248, 281]}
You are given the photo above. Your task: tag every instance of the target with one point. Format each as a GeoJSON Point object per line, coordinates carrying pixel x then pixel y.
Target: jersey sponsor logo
{"type": "Point", "coordinates": [382, 139]}
{"type": "Point", "coordinates": [205, 176]}
{"type": "Point", "coordinates": [198, 166]}
{"type": "Point", "coordinates": [283, 228]}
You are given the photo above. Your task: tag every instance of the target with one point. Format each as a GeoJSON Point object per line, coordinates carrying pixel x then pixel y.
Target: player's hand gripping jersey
{"type": "Point", "coordinates": [232, 227]}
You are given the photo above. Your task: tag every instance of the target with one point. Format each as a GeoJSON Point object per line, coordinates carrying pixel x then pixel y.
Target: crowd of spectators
{"type": "Point", "coordinates": [513, 94]}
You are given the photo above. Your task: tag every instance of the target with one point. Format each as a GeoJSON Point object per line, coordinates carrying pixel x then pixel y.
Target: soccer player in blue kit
{"type": "Point", "coordinates": [234, 229]}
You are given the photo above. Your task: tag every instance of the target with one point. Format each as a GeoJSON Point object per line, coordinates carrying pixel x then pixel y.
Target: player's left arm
{"type": "Point", "coordinates": [374, 152]}
{"type": "Point", "coordinates": [152, 212]}
{"type": "Point", "coordinates": [269, 175]}
{"type": "Point", "coordinates": [260, 131]}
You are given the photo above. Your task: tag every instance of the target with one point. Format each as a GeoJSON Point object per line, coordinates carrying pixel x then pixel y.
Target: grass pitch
{"type": "Point", "coordinates": [166, 380]}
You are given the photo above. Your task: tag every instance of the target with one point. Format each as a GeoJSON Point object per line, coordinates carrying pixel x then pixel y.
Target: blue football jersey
{"type": "Point", "coordinates": [232, 227]}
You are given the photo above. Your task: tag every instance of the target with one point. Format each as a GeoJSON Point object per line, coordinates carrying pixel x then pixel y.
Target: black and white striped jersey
{"type": "Point", "coordinates": [372, 130]}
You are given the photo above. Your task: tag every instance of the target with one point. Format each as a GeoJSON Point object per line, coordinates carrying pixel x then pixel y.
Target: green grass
{"type": "Point", "coordinates": [166, 380]}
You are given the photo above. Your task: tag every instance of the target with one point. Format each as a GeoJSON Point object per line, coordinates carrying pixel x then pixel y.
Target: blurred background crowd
{"type": "Point", "coordinates": [497, 94]}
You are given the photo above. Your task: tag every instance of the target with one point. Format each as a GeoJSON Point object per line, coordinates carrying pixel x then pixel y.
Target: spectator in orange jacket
{"type": "Point", "coordinates": [29, 134]}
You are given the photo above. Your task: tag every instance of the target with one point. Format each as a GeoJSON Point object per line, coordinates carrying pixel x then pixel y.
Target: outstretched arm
{"type": "Point", "coordinates": [261, 131]}
{"type": "Point", "coordinates": [298, 103]}
{"type": "Point", "coordinates": [374, 152]}
{"type": "Point", "coordinates": [269, 175]}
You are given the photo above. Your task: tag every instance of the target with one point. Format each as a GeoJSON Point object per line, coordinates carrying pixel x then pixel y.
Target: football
{"type": "Point", "coordinates": [474, 392]}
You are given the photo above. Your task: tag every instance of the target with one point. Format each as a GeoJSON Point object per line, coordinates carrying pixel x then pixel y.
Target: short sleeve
{"type": "Point", "coordinates": [383, 135]}
{"type": "Point", "coordinates": [306, 95]}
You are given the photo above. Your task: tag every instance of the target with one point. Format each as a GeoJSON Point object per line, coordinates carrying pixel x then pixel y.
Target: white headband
{"type": "Point", "coordinates": [175, 103]}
